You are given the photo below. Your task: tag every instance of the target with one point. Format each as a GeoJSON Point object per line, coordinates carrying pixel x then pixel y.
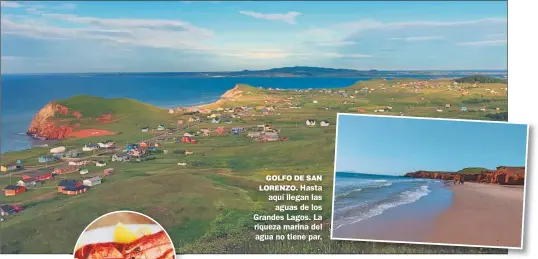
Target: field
{"type": "Point", "coordinates": [207, 205]}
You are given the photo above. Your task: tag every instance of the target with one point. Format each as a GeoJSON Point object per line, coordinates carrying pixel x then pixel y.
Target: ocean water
{"type": "Point", "coordinates": [359, 197]}
{"type": "Point", "coordinates": [23, 96]}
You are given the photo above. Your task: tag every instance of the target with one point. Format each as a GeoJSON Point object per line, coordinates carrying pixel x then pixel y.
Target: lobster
{"type": "Point", "coordinates": [154, 246]}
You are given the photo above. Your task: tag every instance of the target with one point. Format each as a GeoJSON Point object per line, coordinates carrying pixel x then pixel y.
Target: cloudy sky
{"type": "Point", "coordinates": [42, 37]}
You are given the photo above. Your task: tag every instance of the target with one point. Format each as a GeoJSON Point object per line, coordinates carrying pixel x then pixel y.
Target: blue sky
{"type": "Point", "coordinates": [152, 36]}
{"type": "Point", "coordinates": [395, 146]}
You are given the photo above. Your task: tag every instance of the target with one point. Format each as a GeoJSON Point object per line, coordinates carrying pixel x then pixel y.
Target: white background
{"type": "Point", "coordinates": [523, 100]}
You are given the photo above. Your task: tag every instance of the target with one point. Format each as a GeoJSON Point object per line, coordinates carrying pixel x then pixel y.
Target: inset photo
{"type": "Point", "coordinates": [124, 234]}
{"type": "Point", "coordinates": [429, 181]}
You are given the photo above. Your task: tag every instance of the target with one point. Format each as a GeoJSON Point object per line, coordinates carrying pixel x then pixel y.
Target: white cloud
{"type": "Point", "coordinates": [10, 4]}
{"type": "Point", "coordinates": [67, 6]}
{"type": "Point", "coordinates": [369, 24]}
{"type": "Point", "coordinates": [484, 43]}
{"type": "Point", "coordinates": [288, 17]}
{"type": "Point", "coordinates": [418, 38]}
{"type": "Point", "coordinates": [149, 33]}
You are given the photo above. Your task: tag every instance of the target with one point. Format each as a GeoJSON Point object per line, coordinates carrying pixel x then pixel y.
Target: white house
{"type": "Point", "coordinates": [100, 163]}
{"type": "Point", "coordinates": [57, 150]}
{"type": "Point", "coordinates": [89, 147]}
{"type": "Point", "coordinates": [315, 101]}
{"type": "Point", "coordinates": [92, 181]}
{"type": "Point", "coordinates": [310, 122]}
{"type": "Point", "coordinates": [160, 127]}
{"type": "Point", "coordinates": [324, 123]}
{"type": "Point", "coordinates": [171, 111]}
{"type": "Point", "coordinates": [182, 163]}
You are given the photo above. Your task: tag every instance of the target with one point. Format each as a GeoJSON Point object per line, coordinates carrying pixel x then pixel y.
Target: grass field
{"type": "Point", "coordinates": [207, 205]}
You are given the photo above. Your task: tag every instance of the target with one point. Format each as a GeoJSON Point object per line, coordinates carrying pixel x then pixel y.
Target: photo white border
{"type": "Point", "coordinates": [124, 211]}
{"type": "Point", "coordinates": [431, 119]}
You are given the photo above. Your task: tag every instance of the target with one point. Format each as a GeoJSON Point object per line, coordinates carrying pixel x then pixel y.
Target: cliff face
{"type": "Point", "coordinates": [505, 175]}
{"type": "Point", "coordinates": [43, 124]}
{"type": "Point", "coordinates": [235, 92]}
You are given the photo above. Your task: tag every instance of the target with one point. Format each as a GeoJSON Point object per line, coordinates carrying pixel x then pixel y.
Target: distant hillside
{"type": "Point", "coordinates": [306, 71]}
{"type": "Point", "coordinates": [481, 79]}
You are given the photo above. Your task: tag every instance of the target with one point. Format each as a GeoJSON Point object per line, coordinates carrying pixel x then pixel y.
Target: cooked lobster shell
{"type": "Point", "coordinates": [100, 251]}
{"type": "Point", "coordinates": [152, 246]}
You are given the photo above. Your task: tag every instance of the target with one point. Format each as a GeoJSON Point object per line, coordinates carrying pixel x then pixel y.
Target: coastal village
{"type": "Point", "coordinates": [222, 147]}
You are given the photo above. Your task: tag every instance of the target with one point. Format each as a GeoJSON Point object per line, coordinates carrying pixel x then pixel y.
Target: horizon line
{"type": "Point", "coordinates": [232, 71]}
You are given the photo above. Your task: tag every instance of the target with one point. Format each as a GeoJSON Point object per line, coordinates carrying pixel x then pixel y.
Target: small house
{"type": "Point", "coordinates": [310, 122]}
{"type": "Point", "coordinates": [463, 109]}
{"type": "Point", "coordinates": [270, 136]}
{"type": "Point", "coordinates": [171, 111]}
{"type": "Point", "coordinates": [68, 183]}
{"type": "Point", "coordinates": [72, 153]}
{"type": "Point", "coordinates": [66, 170]}
{"type": "Point", "coordinates": [254, 134]}
{"type": "Point", "coordinates": [145, 129]}
{"type": "Point", "coordinates": [106, 144]}
{"type": "Point", "coordinates": [194, 119]}
{"type": "Point", "coordinates": [40, 177]}
{"type": "Point", "coordinates": [108, 171]}
{"type": "Point", "coordinates": [447, 105]}
{"type": "Point", "coordinates": [160, 127]}
{"type": "Point", "coordinates": [132, 146]}
{"type": "Point", "coordinates": [92, 181]}
{"type": "Point", "coordinates": [74, 190]}
{"type": "Point", "coordinates": [187, 134]}
{"type": "Point", "coordinates": [57, 150]}
{"type": "Point", "coordinates": [267, 127]}
{"type": "Point", "coordinates": [45, 159]}
{"type": "Point", "coordinates": [228, 122]}
{"type": "Point", "coordinates": [215, 120]}
{"type": "Point", "coordinates": [314, 101]}
{"type": "Point", "coordinates": [90, 147]}
{"type": "Point", "coordinates": [6, 210]}
{"type": "Point", "coordinates": [12, 190]}
{"type": "Point", "coordinates": [120, 157]}
{"type": "Point", "coordinates": [29, 183]}
{"type": "Point", "coordinates": [100, 163]}
{"type": "Point", "coordinates": [324, 123]}
{"type": "Point", "coordinates": [137, 152]}
{"type": "Point", "coordinates": [12, 167]}
{"type": "Point", "coordinates": [221, 130]}
{"type": "Point", "coordinates": [205, 132]}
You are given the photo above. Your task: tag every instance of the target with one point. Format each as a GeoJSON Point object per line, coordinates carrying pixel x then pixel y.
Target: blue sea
{"type": "Point", "coordinates": [24, 95]}
{"type": "Point", "coordinates": [360, 197]}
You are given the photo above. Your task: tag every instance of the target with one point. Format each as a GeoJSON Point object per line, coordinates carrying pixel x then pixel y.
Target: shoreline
{"type": "Point", "coordinates": [487, 215]}
{"type": "Point", "coordinates": [481, 215]}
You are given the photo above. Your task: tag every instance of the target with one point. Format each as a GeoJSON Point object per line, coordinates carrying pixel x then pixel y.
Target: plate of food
{"type": "Point", "coordinates": [124, 241]}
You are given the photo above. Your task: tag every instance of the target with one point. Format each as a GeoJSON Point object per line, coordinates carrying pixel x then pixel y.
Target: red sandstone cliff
{"type": "Point", "coordinates": [43, 124]}
{"type": "Point", "coordinates": [505, 175]}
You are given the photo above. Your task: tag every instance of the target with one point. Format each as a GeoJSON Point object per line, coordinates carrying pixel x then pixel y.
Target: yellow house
{"type": "Point", "coordinates": [7, 168]}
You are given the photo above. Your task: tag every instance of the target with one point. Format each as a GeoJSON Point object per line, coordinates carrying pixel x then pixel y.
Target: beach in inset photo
{"type": "Point", "coordinates": [124, 234]}
{"type": "Point", "coordinates": [435, 181]}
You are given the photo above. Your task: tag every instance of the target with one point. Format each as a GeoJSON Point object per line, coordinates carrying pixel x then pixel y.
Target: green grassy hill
{"type": "Point", "coordinates": [206, 206]}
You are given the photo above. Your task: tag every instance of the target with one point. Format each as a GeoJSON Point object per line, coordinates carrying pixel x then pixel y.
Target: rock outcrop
{"type": "Point", "coordinates": [43, 124]}
{"type": "Point", "coordinates": [504, 175]}
{"type": "Point", "coordinates": [235, 92]}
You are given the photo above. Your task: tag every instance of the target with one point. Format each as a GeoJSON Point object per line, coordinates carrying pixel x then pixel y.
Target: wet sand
{"type": "Point", "coordinates": [482, 215]}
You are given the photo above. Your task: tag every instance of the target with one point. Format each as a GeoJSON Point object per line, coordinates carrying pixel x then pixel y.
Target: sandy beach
{"type": "Point", "coordinates": [482, 215]}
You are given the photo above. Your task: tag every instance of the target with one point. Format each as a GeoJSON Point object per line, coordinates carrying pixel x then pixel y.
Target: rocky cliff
{"type": "Point", "coordinates": [505, 175]}
{"type": "Point", "coordinates": [43, 124]}
{"type": "Point", "coordinates": [235, 92]}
